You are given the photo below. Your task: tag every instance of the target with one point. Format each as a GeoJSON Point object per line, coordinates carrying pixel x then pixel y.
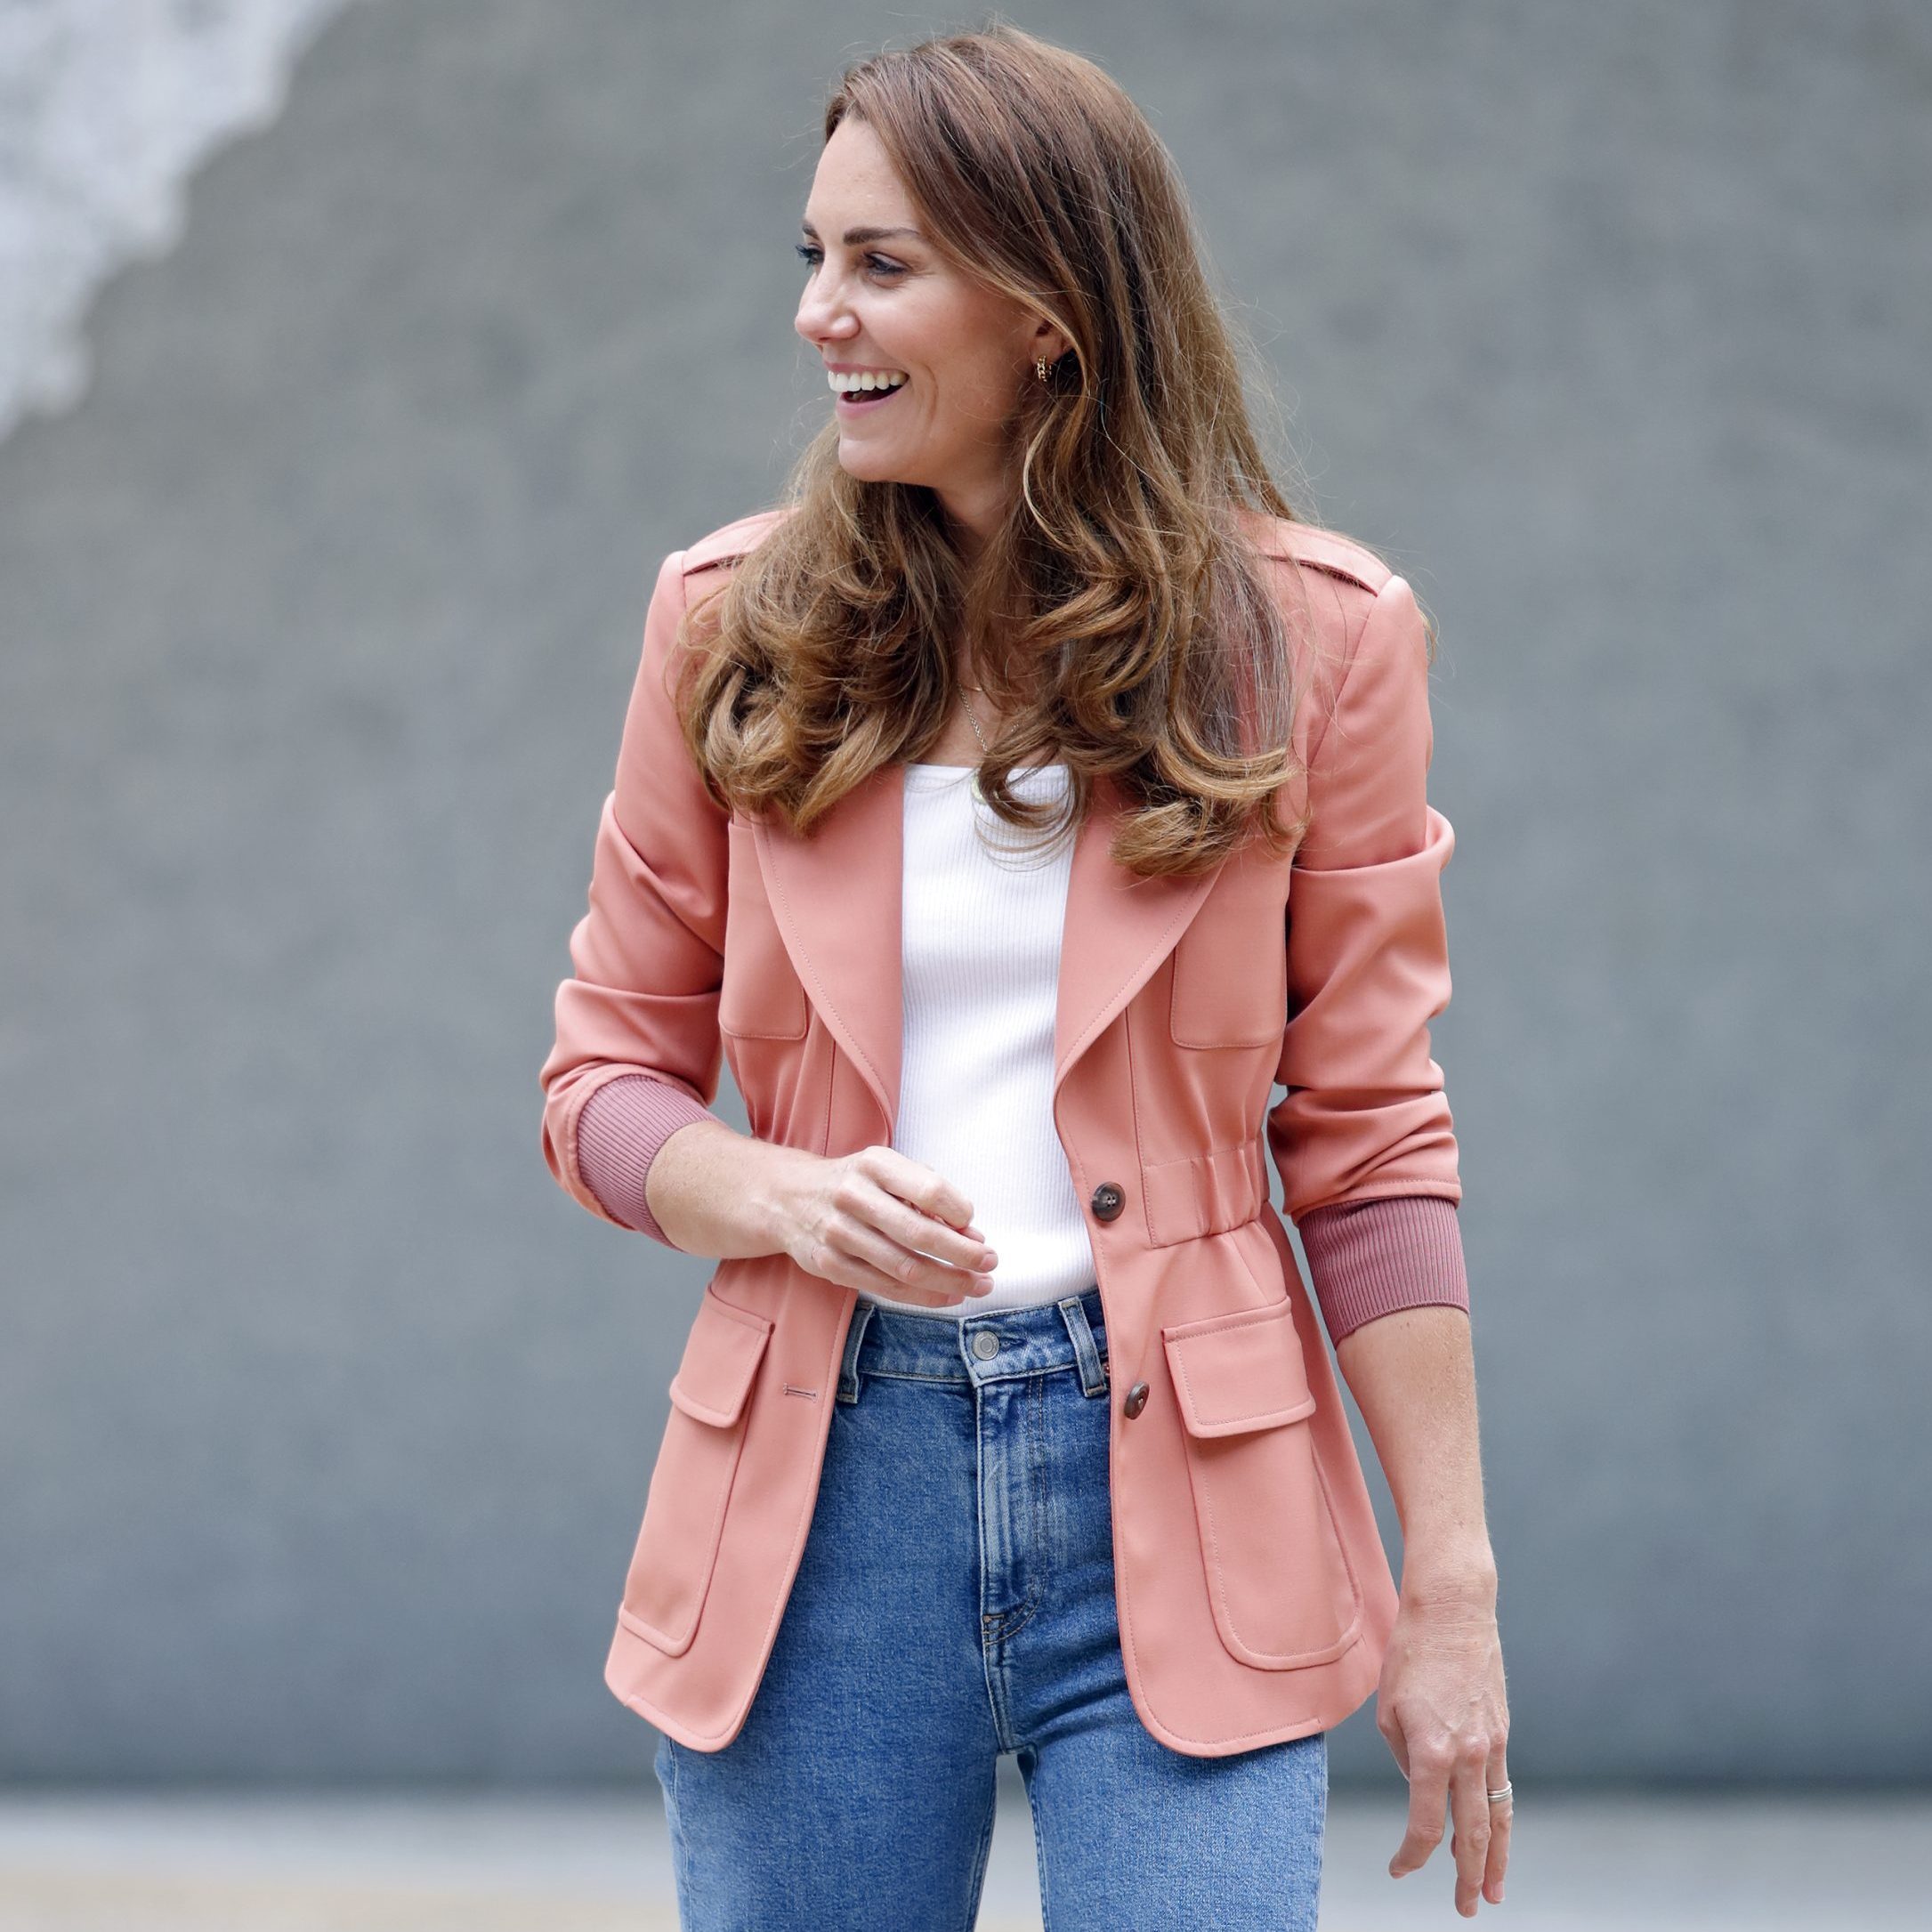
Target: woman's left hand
{"type": "Point", "coordinates": [1443, 1708]}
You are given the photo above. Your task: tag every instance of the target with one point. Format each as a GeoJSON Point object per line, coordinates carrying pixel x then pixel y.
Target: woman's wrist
{"type": "Point", "coordinates": [1458, 1573]}
{"type": "Point", "coordinates": [723, 1195]}
{"type": "Point", "coordinates": [774, 1176]}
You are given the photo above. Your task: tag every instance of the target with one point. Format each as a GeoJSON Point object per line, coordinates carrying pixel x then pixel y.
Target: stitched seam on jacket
{"type": "Point", "coordinates": [1348, 670]}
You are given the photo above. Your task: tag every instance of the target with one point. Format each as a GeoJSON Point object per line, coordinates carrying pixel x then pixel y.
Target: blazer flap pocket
{"type": "Point", "coordinates": [1239, 1371]}
{"type": "Point", "coordinates": [720, 1358]}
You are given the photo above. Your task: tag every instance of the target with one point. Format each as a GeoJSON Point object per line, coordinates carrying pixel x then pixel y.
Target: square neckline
{"type": "Point", "coordinates": [931, 775]}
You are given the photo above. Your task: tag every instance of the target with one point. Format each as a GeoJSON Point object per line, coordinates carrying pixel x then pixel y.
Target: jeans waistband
{"type": "Point", "coordinates": [977, 1348]}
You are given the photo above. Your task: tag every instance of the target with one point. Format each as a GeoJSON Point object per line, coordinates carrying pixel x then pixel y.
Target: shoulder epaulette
{"type": "Point", "coordinates": [1326, 550]}
{"type": "Point", "coordinates": [730, 541]}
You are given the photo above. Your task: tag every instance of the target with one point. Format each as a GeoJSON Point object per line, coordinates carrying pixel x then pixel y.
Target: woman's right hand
{"type": "Point", "coordinates": [881, 1221]}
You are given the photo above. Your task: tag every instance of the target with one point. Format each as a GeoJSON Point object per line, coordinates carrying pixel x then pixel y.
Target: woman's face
{"type": "Point", "coordinates": [889, 303]}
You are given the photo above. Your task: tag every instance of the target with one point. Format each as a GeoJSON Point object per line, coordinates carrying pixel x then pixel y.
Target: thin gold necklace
{"type": "Point", "coordinates": [973, 718]}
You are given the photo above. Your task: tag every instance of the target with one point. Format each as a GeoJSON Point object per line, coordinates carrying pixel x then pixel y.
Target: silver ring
{"type": "Point", "coordinates": [1497, 1796]}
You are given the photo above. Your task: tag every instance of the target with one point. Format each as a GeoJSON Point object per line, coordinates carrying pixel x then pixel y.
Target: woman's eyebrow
{"type": "Point", "coordinates": [854, 237]}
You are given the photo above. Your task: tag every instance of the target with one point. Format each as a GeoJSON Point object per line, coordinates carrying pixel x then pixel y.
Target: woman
{"type": "Point", "coordinates": [1017, 805]}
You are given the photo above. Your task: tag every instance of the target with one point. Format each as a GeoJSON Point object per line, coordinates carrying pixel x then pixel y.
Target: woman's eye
{"type": "Point", "coordinates": [878, 264]}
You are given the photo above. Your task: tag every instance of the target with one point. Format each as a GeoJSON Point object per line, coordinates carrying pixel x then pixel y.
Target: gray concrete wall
{"type": "Point", "coordinates": [107, 111]}
{"type": "Point", "coordinates": [326, 1417]}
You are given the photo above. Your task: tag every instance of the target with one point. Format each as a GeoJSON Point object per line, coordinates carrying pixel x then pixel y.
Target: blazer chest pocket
{"type": "Point", "coordinates": [704, 1436]}
{"type": "Point", "coordinates": [1283, 1592]}
{"type": "Point", "coordinates": [760, 996]}
{"type": "Point", "coordinates": [1231, 963]}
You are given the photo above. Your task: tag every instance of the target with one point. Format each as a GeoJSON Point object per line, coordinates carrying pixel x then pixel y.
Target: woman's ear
{"type": "Point", "coordinates": [1050, 341]}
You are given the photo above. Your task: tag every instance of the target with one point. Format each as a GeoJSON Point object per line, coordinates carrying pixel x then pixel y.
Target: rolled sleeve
{"type": "Point", "coordinates": [648, 954]}
{"type": "Point", "coordinates": [1365, 1115]}
{"type": "Point", "coordinates": [1370, 1258]}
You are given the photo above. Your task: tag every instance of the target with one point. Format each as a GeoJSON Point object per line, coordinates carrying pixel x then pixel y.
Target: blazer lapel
{"type": "Point", "coordinates": [837, 898]}
{"type": "Point", "coordinates": [1119, 928]}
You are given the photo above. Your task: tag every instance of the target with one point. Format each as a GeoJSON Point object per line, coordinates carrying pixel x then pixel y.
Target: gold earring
{"type": "Point", "coordinates": [1040, 367]}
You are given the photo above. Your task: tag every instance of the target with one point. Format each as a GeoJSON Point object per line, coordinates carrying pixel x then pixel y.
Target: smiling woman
{"type": "Point", "coordinates": [1006, 1425]}
{"type": "Point", "coordinates": [953, 338]}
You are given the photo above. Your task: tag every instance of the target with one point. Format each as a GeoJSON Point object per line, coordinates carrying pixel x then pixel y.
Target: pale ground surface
{"type": "Point", "coordinates": [329, 1864]}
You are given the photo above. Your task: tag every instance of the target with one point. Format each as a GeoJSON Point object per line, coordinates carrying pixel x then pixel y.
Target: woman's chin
{"type": "Point", "coordinates": [869, 465]}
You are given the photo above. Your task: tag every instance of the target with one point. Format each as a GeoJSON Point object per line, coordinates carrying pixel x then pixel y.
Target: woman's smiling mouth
{"type": "Point", "coordinates": [858, 390]}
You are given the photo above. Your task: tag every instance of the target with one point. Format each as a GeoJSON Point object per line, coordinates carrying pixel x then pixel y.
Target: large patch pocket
{"type": "Point", "coordinates": [1283, 1591]}
{"type": "Point", "coordinates": [677, 1546]}
{"type": "Point", "coordinates": [761, 996]}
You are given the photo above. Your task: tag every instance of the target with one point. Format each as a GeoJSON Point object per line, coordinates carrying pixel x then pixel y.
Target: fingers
{"type": "Point", "coordinates": [1391, 1733]}
{"type": "Point", "coordinates": [1428, 1793]}
{"type": "Point", "coordinates": [833, 1263]}
{"type": "Point", "coordinates": [1468, 1798]}
{"type": "Point", "coordinates": [863, 1235]}
{"type": "Point", "coordinates": [919, 1187]}
{"type": "Point", "coordinates": [912, 1225]}
{"type": "Point", "coordinates": [1502, 1816]}
{"type": "Point", "coordinates": [1461, 1778]}
{"type": "Point", "coordinates": [1444, 1711]}
{"type": "Point", "coordinates": [908, 1275]}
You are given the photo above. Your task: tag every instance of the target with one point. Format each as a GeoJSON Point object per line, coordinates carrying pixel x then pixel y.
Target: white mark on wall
{"type": "Point", "coordinates": [107, 107]}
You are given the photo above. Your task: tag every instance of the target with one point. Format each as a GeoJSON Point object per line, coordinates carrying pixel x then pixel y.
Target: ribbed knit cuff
{"type": "Point", "coordinates": [618, 1133]}
{"type": "Point", "coordinates": [1370, 1258]}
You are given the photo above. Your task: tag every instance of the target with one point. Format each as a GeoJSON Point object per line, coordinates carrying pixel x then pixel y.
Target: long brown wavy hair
{"type": "Point", "coordinates": [1121, 616]}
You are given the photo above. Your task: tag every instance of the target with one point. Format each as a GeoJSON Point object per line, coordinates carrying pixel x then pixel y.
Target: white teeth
{"type": "Point", "coordinates": [846, 383]}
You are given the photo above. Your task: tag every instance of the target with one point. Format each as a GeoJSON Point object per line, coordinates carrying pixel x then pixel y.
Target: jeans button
{"type": "Point", "coordinates": [986, 1344]}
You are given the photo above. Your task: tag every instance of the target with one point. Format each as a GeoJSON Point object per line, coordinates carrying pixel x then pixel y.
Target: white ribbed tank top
{"type": "Point", "coordinates": [984, 904]}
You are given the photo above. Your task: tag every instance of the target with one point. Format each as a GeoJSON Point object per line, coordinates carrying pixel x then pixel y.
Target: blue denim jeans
{"type": "Point", "coordinates": [954, 1602]}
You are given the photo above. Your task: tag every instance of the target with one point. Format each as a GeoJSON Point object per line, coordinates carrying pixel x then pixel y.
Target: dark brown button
{"type": "Point", "coordinates": [1136, 1400]}
{"type": "Point", "coordinates": [1108, 1200]}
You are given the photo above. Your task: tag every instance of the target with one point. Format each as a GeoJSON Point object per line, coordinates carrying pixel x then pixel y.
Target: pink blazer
{"type": "Point", "coordinates": [1255, 1597]}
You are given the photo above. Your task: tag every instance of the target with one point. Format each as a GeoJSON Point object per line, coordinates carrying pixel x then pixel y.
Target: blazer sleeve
{"type": "Point", "coordinates": [1365, 1116]}
{"type": "Point", "coordinates": [648, 954]}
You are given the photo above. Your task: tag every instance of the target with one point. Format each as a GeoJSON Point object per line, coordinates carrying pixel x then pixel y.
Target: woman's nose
{"type": "Point", "coordinates": [822, 316]}
{"type": "Point", "coordinates": [819, 322]}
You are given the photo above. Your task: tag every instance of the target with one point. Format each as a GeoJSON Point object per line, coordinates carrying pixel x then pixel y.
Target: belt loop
{"type": "Point", "coordinates": [848, 1367]}
{"type": "Point", "coordinates": [1093, 1370]}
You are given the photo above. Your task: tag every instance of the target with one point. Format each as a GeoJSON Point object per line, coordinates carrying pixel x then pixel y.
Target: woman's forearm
{"type": "Point", "coordinates": [716, 1191]}
{"type": "Point", "coordinates": [1412, 1374]}
{"type": "Point", "coordinates": [660, 1162]}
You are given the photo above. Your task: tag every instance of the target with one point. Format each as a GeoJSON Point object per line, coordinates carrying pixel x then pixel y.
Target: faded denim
{"type": "Point", "coordinates": [955, 1602]}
